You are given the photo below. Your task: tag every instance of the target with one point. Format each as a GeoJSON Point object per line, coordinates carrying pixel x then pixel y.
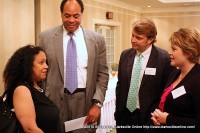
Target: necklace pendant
{"type": "Point", "coordinates": [39, 89]}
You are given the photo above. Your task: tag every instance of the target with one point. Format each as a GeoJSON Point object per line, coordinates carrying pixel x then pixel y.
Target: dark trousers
{"type": "Point", "coordinates": [130, 122]}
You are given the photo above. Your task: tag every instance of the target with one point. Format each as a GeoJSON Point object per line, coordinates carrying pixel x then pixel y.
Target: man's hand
{"type": "Point", "coordinates": [93, 115]}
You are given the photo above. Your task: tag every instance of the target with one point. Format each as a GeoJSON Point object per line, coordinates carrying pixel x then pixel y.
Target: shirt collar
{"type": "Point", "coordinates": [75, 32]}
{"type": "Point", "coordinates": [146, 53]}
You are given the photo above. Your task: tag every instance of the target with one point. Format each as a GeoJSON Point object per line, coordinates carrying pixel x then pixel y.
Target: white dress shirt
{"type": "Point", "coordinates": [145, 58]}
{"type": "Point", "coordinates": [82, 55]}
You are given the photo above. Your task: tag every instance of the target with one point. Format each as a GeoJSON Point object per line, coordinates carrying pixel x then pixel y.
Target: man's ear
{"type": "Point", "coordinates": [150, 40]}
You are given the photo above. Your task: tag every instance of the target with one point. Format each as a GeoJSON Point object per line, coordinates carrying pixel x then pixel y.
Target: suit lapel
{"type": "Point", "coordinates": [185, 79]}
{"type": "Point", "coordinates": [90, 45]}
{"type": "Point", "coordinates": [58, 46]}
{"type": "Point", "coordinates": [150, 64]}
{"type": "Point", "coordinates": [130, 61]}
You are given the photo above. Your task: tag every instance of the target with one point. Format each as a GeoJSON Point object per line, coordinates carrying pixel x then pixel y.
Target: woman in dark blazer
{"type": "Point", "coordinates": [179, 108]}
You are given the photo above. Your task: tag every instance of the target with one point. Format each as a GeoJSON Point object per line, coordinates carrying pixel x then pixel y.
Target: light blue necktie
{"type": "Point", "coordinates": [134, 85]}
{"type": "Point", "coordinates": [71, 65]}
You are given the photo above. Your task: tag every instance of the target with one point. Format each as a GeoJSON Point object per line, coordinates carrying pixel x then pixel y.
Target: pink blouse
{"type": "Point", "coordinates": [164, 96]}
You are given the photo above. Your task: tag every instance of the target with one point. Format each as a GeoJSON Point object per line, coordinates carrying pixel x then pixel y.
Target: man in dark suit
{"type": "Point", "coordinates": [155, 68]}
{"type": "Point", "coordinates": [92, 70]}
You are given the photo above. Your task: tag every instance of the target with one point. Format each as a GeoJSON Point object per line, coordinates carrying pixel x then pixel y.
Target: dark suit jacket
{"type": "Point", "coordinates": [151, 85]}
{"type": "Point", "coordinates": [185, 109]}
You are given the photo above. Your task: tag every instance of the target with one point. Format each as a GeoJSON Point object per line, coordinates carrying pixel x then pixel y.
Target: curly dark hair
{"type": "Point", "coordinates": [19, 66]}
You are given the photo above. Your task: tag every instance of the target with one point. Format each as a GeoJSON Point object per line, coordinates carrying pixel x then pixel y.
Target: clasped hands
{"type": "Point", "coordinates": [158, 117]}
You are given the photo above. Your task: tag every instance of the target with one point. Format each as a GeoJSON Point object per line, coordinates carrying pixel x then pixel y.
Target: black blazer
{"type": "Point", "coordinates": [185, 109]}
{"type": "Point", "coordinates": [151, 85]}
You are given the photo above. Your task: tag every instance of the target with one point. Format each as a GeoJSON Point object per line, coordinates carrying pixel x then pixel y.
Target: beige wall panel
{"type": "Point", "coordinates": [47, 15]}
{"type": "Point", "coordinates": [16, 28]}
{"type": "Point", "coordinates": [97, 10]}
{"type": "Point", "coordinates": [167, 23]}
{"type": "Point", "coordinates": [50, 13]}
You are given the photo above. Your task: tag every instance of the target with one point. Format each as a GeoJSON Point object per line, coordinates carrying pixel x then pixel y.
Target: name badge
{"type": "Point", "coordinates": [150, 71]}
{"type": "Point", "coordinates": [178, 92]}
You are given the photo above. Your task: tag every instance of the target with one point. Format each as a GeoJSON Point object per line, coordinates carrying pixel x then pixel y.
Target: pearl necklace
{"type": "Point", "coordinates": [38, 88]}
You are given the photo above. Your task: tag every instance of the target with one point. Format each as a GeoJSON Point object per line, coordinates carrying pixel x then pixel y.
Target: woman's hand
{"type": "Point", "coordinates": [159, 117]}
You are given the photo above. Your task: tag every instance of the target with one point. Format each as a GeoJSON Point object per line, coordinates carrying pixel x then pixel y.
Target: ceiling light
{"type": "Point", "coordinates": [177, 1]}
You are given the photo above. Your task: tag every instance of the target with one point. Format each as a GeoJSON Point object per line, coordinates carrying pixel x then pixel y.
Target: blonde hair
{"type": "Point", "coordinates": [188, 39]}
